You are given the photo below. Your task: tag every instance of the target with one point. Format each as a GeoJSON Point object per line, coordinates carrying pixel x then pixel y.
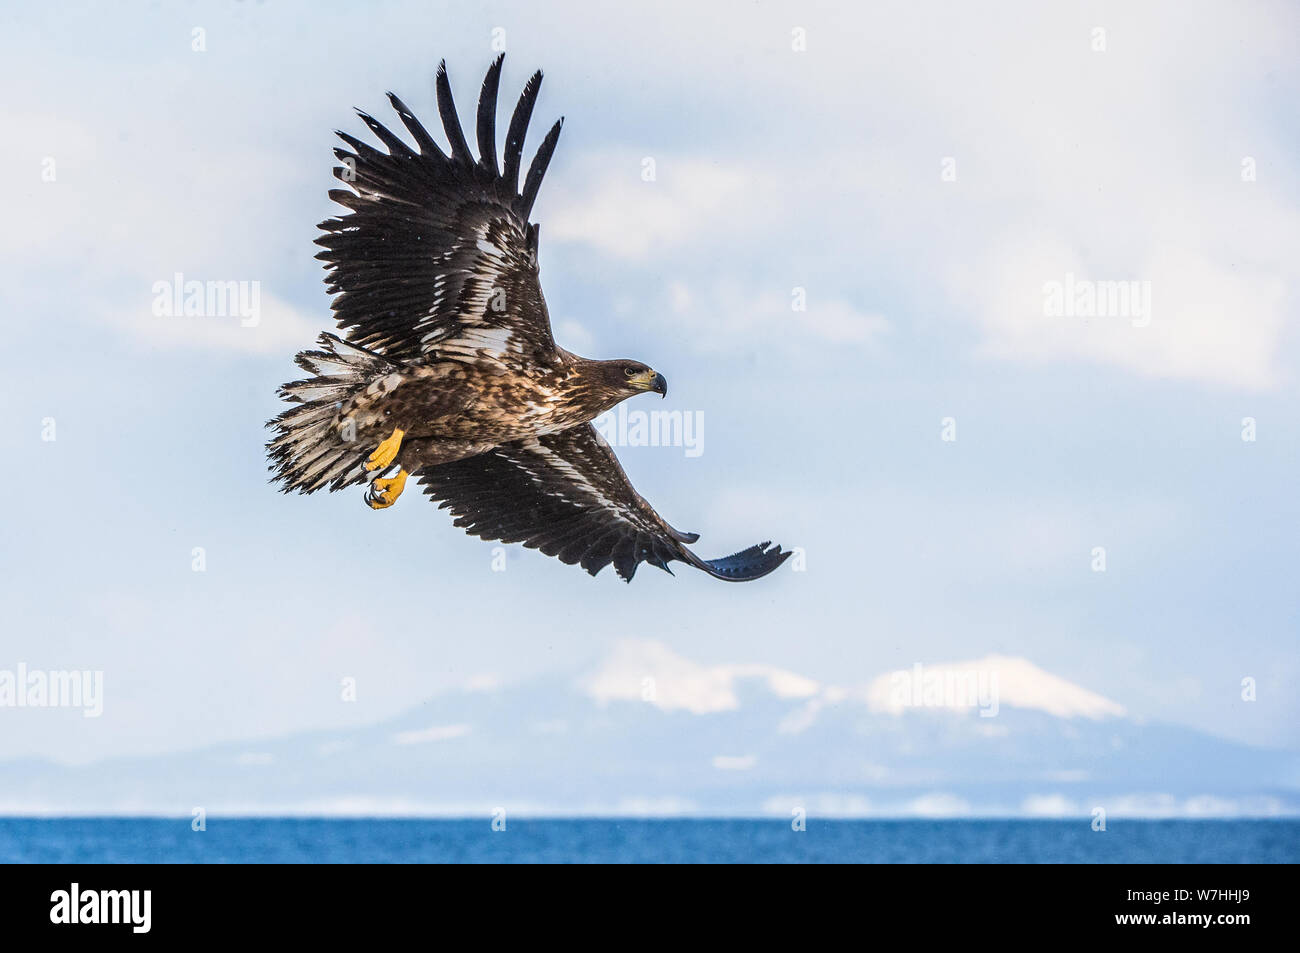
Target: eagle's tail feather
{"type": "Point", "coordinates": [315, 441]}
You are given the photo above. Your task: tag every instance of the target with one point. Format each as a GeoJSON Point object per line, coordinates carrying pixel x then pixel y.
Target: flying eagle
{"type": "Point", "coordinates": [448, 369]}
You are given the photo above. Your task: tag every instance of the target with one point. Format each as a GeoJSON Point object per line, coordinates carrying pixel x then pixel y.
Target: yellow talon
{"type": "Point", "coordinates": [386, 452]}
{"type": "Point", "coordinates": [384, 493]}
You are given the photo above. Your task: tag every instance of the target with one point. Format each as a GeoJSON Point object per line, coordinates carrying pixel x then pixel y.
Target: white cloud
{"type": "Point", "coordinates": [937, 805]}
{"type": "Point", "coordinates": [689, 224]}
{"type": "Point", "coordinates": [732, 762]}
{"type": "Point", "coordinates": [840, 322]}
{"type": "Point", "coordinates": [602, 201]}
{"type": "Point", "coordinates": [644, 670]}
{"type": "Point", "coordinates": [433, 733]}
{"type": "Point", "coordinates": [573, 336]}
{"type": "Point", "coordinates": [280, 328]}
{"type": "Point", "coordinates": [1048, 805]}
{"type": "Point", "coordinates": [1072, 173]}
{"type": "Point", "coordinates": [801, 719]}
{"type": "Point", "coordinates": [1069, 173]}
{"type": "Point", "coordinates": [647, 807]}
{"type": "Point", "coordinates": [1152, 805]}
{"type": "Point", "coordinates": [484, 682]}
{"type": "Point", "coordinates": [1210, 321]}
{"type": "Point", "coordinates": [715, 313]}
{"type": "Point", "coordinates": [823, 804]}
{"type": "Point", "coordinates": [119, 226]}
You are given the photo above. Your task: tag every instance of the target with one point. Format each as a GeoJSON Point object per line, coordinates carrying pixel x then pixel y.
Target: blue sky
{"type": "Point", "coordinates": [776, 169]}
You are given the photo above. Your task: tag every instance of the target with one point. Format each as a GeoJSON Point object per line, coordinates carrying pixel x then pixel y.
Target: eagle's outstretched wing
{"type": "Point", "coordinates": [566, 494]}
{"type": "Point", "coordinates": [436, 255]}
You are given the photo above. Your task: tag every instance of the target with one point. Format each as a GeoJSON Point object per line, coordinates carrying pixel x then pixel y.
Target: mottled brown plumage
{"type": "Point", "coordinates": [449, 369]}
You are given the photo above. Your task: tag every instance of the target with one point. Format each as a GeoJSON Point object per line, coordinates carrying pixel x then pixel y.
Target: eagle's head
{"type": "Point", "coordinates": [597, 386]}
{"type": "Point", "coordinates": [616, 381]}
{"type": "Point", "coordinates": [633, 377]}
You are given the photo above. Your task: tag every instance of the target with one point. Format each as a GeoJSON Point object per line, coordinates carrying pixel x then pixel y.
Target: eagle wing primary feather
{"type": "Point", "coordinates": [435, 256]}
{"type": "Point", "coordinates": [566, 495]}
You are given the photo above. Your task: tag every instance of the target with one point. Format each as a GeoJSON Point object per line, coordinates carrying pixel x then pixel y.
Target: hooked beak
{"type": "Point", "coordinates": [651, 381]}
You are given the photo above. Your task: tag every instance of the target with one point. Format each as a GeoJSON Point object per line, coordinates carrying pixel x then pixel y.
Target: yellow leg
{"type": "Point", "coordinates": [386, 452]}
{"type": "Point", "coordinates": [384, 493]}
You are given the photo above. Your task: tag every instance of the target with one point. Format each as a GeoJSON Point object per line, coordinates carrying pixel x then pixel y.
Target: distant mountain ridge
{"type": "Point", "coordinates": [651, 733]}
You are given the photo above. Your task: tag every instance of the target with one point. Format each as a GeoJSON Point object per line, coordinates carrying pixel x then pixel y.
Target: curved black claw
{"type": "Point", "coordinates": [376, 496]}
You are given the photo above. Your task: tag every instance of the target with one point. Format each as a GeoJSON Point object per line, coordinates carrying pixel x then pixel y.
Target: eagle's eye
{"type": "Point", "coordinates": [630, 371]}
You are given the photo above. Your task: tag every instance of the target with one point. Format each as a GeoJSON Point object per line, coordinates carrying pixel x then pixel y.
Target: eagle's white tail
{"type": "Point", "coordinates": [315, 441]}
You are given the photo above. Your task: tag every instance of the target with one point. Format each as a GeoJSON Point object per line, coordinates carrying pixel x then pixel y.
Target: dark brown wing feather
{"type": "Point", "coordinates": [436, 256]}
{"type": "Point", "coordinates": [566, 495]}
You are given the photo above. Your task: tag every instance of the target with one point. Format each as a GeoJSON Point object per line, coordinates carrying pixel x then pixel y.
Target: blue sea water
{"type": "Point", "coordinates": [370, 840]}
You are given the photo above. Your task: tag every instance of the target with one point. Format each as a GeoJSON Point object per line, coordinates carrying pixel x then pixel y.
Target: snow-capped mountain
{"type": "Point", "coordinates": [649, 732]}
